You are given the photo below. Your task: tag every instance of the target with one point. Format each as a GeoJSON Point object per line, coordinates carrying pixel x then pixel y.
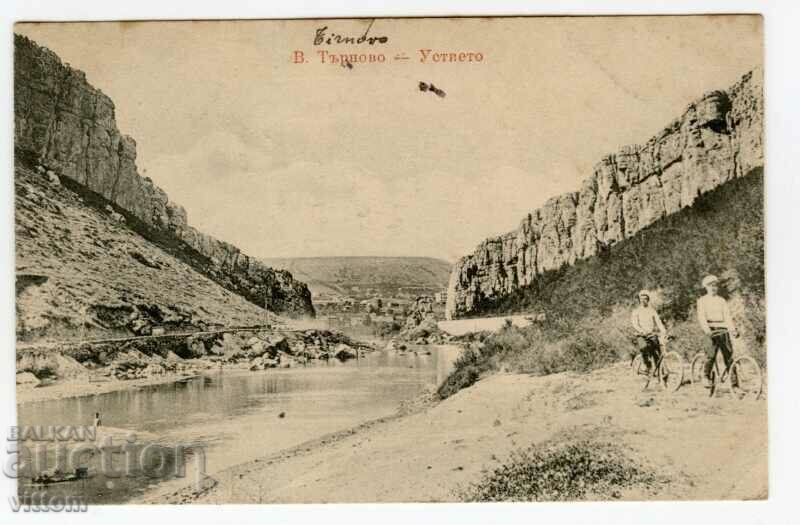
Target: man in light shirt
{"type": "Point", "coordinates": [648, 327]}
{"type": "Point", "coordinates": [716, 322]}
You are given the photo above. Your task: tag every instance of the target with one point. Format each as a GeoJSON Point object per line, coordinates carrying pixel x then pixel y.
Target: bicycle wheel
{"type": "Point", "coordinates": [746, 378]}
{"type": "Point", "coordinates": [696, 372]}
{"type": "Point", "coordinates": [637, 365]}
{"type": "Point", "coordinates": [671, 371]}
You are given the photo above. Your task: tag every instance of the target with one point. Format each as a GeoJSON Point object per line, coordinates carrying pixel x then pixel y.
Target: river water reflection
{"type": "Point", "coordinates": [243, 415]}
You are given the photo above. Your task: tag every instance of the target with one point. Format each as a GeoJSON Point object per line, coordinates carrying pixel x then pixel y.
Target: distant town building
{"type": "Point", "coordinates": [382, 318]}
{"type": "Point", "coordinates": [358, 320]}
{"type": "Point", "coordinates": [440, 297]}
{"type": "Point", "coordinates": [336, 322]}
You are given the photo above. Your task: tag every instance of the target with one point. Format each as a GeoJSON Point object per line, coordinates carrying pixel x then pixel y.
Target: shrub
{"type": "Point", "coordinates": [386, 329]}
{"type": "Point", "coordinates": [585, 352]}
{"type": "Point", "coordinates": [467, 370]}
{"type": "Point", "coordinates": [537, 350]}
{"type": "Point", "coordinates": [560, 472]}
{"type": "Point", "coordinates": [461, 377]}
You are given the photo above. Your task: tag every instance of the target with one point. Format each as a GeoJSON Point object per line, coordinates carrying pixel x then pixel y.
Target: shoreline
{"type": "Point", "coordinates": [434, 450]}
{"type": "Point", "coordinates": [186, 493]}
{"type": "Point", "coordinates": [74, 389]}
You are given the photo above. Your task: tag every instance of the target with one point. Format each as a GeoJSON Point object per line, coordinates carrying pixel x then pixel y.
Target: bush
{"type": "Point", "coordinates": [586, 352]}
{"type": "Point", "coordinates": [462, 377]}
{"type": "Point", "coordinates": [581, 470]}
{"type": "Point", "coordinates": [386, 329]}
{"type": "Point", "coordinates": [536, 350]}
{"type": "Point", "coordinates": [467, 370]}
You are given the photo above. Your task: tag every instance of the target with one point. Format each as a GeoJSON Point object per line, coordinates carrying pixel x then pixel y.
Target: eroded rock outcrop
{"type": "Point", "coordinates": [718, 138]}
{"type": "Point", "coordinates": [68, 126]}
{"type": "Point", "coordinates": [139, 358]}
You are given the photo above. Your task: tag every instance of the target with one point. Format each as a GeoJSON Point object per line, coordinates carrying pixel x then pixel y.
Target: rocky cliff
{"type": "Point", "coordinates": [68, 126]}
{"type": "Point", "coordinates": [718, 138]}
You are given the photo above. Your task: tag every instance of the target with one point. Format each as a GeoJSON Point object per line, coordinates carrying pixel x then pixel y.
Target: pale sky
{"type": "Point", "coordinates": [288, 160]}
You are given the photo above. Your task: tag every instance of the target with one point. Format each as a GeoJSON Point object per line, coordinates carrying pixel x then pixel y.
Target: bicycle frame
{"type": "Point", "coordinates": [724, 376]}
{"type": "Point", "coordinates": [660, 361]}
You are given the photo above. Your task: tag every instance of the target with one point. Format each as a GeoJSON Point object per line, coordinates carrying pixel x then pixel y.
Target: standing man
{"type": "Point", "coordinates": [648, 327]}
{"type": "Point", "coordinates": [716, 322]}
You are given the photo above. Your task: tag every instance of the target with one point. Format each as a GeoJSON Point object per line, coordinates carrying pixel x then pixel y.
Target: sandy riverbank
{"type": "Point", "coordinates": [70, 389]}
{"type": "Point", "coordinates": [704, 448]}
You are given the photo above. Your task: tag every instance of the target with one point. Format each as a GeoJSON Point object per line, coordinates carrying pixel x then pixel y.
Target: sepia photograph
{"type": "Point", "coordinates": [390, 260]}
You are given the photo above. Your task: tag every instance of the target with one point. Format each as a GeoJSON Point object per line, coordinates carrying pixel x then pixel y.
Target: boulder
{"type": "Point", "coordinates": [344, 352]}
{"type": "Point", "coordinates": [27, 379]}
{"type": "Point", "coordinates": [285, 360]}
{"type": "Point", "coordinates": [257, 349]}
{"type": "Point", "coordinates": [172, 357]}
{"type": "Point", "coordinates": [140, 326]}
{"type": "Point", "coordinates": [216, 349]}
{"type": "Point", "coordinates": [277, 343]}
{"type": "Point", "coordinates": [53, 179]}
{"type": "Point", "coordinates": [262, 363]}
{"type": "Point", "coordinates": [195, 346]}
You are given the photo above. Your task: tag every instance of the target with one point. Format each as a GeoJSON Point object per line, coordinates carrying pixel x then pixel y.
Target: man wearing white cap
{"type": "Point", "coordinates": [648, 326]}
{"type": "Point", "coordinates": [716, 322]}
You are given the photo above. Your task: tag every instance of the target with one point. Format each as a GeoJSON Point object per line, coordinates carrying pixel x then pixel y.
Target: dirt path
{"type": "Point", "coordinates": [705, 448]}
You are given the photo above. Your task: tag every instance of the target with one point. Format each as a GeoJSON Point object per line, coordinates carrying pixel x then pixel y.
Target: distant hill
{"type": "Point", "coordinates": [355, 276]}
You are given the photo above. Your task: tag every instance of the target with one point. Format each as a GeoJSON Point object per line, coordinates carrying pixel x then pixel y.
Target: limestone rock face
{"type": "Point", "coordinates": [65, 124]}
{"type": "Point", "coordinates": [718, 137]}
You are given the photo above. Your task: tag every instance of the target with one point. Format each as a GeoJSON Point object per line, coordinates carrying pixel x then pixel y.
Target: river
{"type": "Point", "coordinates": [239, 416]}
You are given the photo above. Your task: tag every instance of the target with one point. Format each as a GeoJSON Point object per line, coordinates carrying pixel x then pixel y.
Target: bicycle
{"type": "Point", "coordinates": [669, 367]}
{"type": "Point", "coordinates": [749, 384]}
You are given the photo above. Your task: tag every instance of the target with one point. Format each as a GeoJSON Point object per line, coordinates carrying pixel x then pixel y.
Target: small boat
{"type": "Point", "coordinates": [56, 476]}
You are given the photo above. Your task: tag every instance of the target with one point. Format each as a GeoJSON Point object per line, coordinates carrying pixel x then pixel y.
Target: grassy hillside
{"type": "Point", "coordinates": [82, 272]}
{"type": "Point", "coordinates": [355, 275]}
{"type": "Point", "coordinates": [588, 305]}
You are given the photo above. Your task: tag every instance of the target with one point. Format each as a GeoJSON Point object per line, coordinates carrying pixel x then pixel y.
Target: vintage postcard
{"type": "Point", "coordinates": [390, 260]}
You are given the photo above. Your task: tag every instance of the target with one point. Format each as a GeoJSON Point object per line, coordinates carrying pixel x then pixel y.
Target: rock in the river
{"type": "Point", "coordinates": [344, 352]}
{"type": "Point", "coordinates": [50, 364]}
{"type": "Point", "coordinates": [27, 379]}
